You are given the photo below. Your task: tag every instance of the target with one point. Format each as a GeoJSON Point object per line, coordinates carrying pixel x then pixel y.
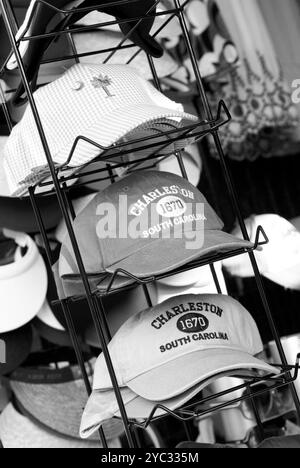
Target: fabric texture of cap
{"type": "Point", "coordinates": [17, 431]}
{"type": "Point", "coordinates": [103, 405]}
{"type": "Point", "coordinates": [15, 347]}
{"type": "Point", "coordinates": [160, 222]}
{"type": "Point", "coordinates": [205, 335]}
{"type": "Point", "coordinates": [55, 398]}
{"type": "Point", "coordinates": [279, 260]}
{"type": "Point", "coordinates": [102, 103]}
{"type": "Point", "coordinates": [21, 300]}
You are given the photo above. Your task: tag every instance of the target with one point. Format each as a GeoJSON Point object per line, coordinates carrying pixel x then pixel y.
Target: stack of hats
{"type": "Point", "coordinates": [42, 414]}
{"type": "Point", "coordinates": [21, 268]}
{"type": "Point", "coordinates": [147, 224]}
{"type": "Point", "coordinates": [105, 104]}
{"type": "Point", "coordinates": [46, 18]}
{"type": "Point", "coordinates": [167, 354]}
{"type": "Point", "coordinates": [144, 227]}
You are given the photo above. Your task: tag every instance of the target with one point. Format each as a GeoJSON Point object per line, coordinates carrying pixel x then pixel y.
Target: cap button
{"type": "Point", "coordinates": [77, 86]}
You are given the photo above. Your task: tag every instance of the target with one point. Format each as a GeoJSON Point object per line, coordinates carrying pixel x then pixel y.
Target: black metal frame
{"type": "Point", "coordinates": [208, 125]}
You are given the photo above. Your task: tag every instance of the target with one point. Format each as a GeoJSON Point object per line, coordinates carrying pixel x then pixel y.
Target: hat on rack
{"type": "Point", "coordinates": [279, 260]}
{"type": "Point", "coordinates": [88, 42]}
{"type": "Point", "coordinates": [43, 394]}
{"type": "Point", "coordinates": [23, 284]}
{"type": "Point", "coordinates": [128, 10]}
{"type": "Point", "coordinates": [17, 213]}
{"type": "Point", "coordinates": [102, 405]}
{"type": "Point", "coordinates": [51, 324]}
{"type": "Point", "coordinates": [103, 103]}
{"type": "Point", "coordinates": [15, 347]}
{"type": "Point", "coordinates": [42, 18]}
{"type": "Point", "coordinates": [205, 283]}
{"type": "Point", "coordinates": [165, 351]}
{"type": "Point", "coordinates": [154, 216]}
{"type": "Point", "coordinates": [18, 431]}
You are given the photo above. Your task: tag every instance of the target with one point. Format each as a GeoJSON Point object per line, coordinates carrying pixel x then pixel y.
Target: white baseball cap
{"type": "Point", "coordinates": [23, 284]}
{"type": "Point", "coordinates": [102, 406]}
{"type": "Point", "coordinates": [205, 283]}
{"type": "Point", "coordinates": [103, 103]}
{"type": "Point", "coordinates": [168, 349]}
{"type": "Point", "coordinates": [279, 260]}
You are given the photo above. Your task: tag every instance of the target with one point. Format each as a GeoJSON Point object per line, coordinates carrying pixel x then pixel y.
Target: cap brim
{"type": "Point", "coordinates": [163, 383]}
{"type": "Point", "coordinates": [102, 405]}
{"type": "Point", "coordinates": [165, 255]}
{"type": "Point", "coordinates": [117, 125]}
{"type": "Point", "coordinates": [22, 296]}
{"type": "Point", "coordinates": [73, 285]}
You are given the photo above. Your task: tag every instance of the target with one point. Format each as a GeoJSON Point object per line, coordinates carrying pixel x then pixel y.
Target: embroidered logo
{"type": "Point", "coordinates": [102, 81]}
{"type": "Point", "coordinates": [191, 323]}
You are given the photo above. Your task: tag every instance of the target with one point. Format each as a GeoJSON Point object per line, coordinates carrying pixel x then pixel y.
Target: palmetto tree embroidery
{"type": "Point", "coordinates": [103, 81]}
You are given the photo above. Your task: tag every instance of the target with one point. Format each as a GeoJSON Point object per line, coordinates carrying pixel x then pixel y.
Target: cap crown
{"type": "Point", "coordinates": [100, 102]}
{"type": "Point", "coordinates": [147, 206]}
{"type": "Point", "coordinates": [179, 326]}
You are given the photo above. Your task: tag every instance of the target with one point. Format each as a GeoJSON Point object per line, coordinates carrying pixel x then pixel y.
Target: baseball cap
{"type": "Point", "coordinates": [49, 328]}
{"type": "Point", "coordinates": [40, 15]}
{"type": "Point", "coordinates": [205, 284]}
{"type": "Point", "coordinates": [51, 323]}
{"type": "Point", "coordinates": [279, 260]}
{"type": "Point", "coordinates": [103, 405]}
{"type": "Point", "coordinates": [18, 431]}
{"type": "Point", "coordinates": [164, 351]}
{"type": "Point", "coordinates": [15, 347]}
{"type": "Point", "coordinates": [43, 394]}
{"type": "Point", "coordinates": [128, 10]}
{"type": "Point", "coordinates": [103, 103]}
{"type": "Point", "coordinates": [144, 236]}
{"type": "Point", "coordinates": [17, 213]}
{"type": "Point", "coordinates": [23, 284]}
{"type": "Point", "coordinates": [88, 42]}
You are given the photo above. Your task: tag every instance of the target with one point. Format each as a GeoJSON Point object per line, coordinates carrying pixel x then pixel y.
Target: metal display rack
{"type": "Point", "coordinates": [94, 292]}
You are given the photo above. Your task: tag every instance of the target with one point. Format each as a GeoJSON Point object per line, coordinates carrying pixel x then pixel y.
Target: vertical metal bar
{"type": "Point", "coordinates": [137, 437]}
{"type": "Point", "coordinates": [178, 155]}
{"type": "Point", "coordinates": [5, 11]}
{"type": "Point", "coordinates": [69, 204]}
{"type": "Point", "coordinates": [215, 277]}
{"type": "Point", "coordinates": [41, 225]}
{"type": "Point", "coordinates": [259, 423]}
{"type": "Point", "coordinates": [111, 173]}
{"type": "Point", "coordinates": [73, 47]}
{"type": "Point", "coordinates": [77, 349]}
{"type": "Point", "coordinates": [154, 72]}
{"type": "Point", "coordinates": [13, 18]}
{"type": "Point", "coordinates": [187, 431]}
{"type": "Point", "coordinates": [147, 295]}
{"type": "Point", "coordinates": [234, 199]}
{"type": "Point", "coordinates": [75, 343]}
{"type": "Point", "coordinates": [104, 323]}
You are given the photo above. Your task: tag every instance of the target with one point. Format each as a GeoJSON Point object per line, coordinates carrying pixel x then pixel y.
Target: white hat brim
{"type": "Point", "coordinates": [22, 296]}
{"type": "Point", "coordinates": [178, 376]}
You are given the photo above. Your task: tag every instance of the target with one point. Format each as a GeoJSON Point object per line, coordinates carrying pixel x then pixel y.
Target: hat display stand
{"type": "Point", "coordinates": [115, 161]}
